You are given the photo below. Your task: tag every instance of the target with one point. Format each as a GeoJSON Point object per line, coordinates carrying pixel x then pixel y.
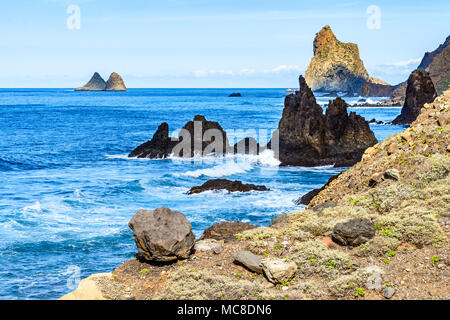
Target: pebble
{"type": "Point", "coordinates": [388, 292]}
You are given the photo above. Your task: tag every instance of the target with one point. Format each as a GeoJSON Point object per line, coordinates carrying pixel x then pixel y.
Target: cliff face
{"type": "Point", "coordinates": [115, 83]}
{"type": "Point", "coordinates": [437, 63]}
{"type": "Point", "coordinates": [307, 137]}
{"type": "Point", "coordinates": [95, 84]}
{"type": "Point", "coordinates": [336, 66]}
{"type": "Point", "coordinates": [419, 91]}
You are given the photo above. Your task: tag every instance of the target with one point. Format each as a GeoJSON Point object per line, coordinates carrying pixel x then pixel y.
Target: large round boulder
{"type": "Point", "coordinates": [162, 234]}
{"type": "Point", "coordinates": [353, 232]}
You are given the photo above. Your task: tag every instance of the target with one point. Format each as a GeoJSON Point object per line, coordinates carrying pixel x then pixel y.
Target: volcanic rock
{"type": "Point", "coordinates": [336, 66]}
{"type": "Point", "coordinates": [353, 232]}
{"type": "Point", "coordinates": [191, 141]}
{"type": "Point", "coordinates": [95, 84]}
{"type": "Point", "coordinates": [162, 234]}
{"type": "Point", "coordinates": [224, 184]}
{"type": "Point", "coordinates": [307, 137]}
{"type": "Point", "coordinates": [115, 83]}
{"type": "Point", "coordinates": [225, 230]}
{"type": "Point", "coordinates": [247, 146]}
{"type": "Point", "coordinates": [235, 94]}
{"type": "Point", "coordinates": [306, 198]}
{"type": "Point", "coordinates": [420, 90]}
{"type": "Point", "coordinates": [249, 260]}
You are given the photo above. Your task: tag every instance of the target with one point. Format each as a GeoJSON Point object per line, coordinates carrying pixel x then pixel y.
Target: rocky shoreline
{"type": "Point", "coordinates": [377, 231]}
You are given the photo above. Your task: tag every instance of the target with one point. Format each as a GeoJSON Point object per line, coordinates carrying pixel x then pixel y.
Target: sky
{"type": "Point", "coordinates": [206, 43]}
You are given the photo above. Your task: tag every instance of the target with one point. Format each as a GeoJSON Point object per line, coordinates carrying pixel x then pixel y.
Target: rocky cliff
{"type": "Point", "coordinates": [419, 91]}
{"type": "Point", "coordinates": [336, 66]}
{"type": "Point", "coordinates": [437, 63]}
{"type": "Point", "coordinates": [307, 137]}
{"type": "Point", "coordinates": [95, 84]}
{"type": "Point", "coordinates": [115, 83]}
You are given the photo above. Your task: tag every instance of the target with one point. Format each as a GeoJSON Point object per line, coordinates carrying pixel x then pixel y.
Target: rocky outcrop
{"type": "Point", "coordinates": [336, 66]}
{"type": "Point", "coordinates": [162, 235]}
{"type": "Point", "coordinates": [191, 140]}
{"type": "Point", "coordinates": [307, 137]}
{"type": "Point", "coordinates": [115, 83]}
{"type": "Point", "coordinates": [247, 146]}
{"type": "Point", "coordinates": [95, 84]}
{"type": "Point", "coordinates": [371, 89]}
{"type": "Point", "coordinates": [353, 232]}
{"type": "Point", "coordinates": [437, 64]}
{"type": "Point", "coordinates": [419, 91]}
{"type": "Point", "coordinates": [306, 198]}
{"type": "Point", "coordinates": [226, 230]}
{"type": "Point", "coordinates": [225, 184]}
{"type": "Point", "coordinates": [235, 95]}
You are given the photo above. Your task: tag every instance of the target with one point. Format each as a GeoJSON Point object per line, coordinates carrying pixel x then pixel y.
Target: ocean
{"type": "Point", "coordinates": [68, 188]}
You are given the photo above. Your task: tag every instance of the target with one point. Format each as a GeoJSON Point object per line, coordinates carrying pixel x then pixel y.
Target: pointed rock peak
{"type": "Point", "coordinates": [95, 84]}
{"type": "Point", "coordinates": [115, 83]}
{"type": "Point", "coordinates": [323, 37]}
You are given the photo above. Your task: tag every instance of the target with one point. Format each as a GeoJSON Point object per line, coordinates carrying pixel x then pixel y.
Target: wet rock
{"type": "Point", "coordinates": [159, 147]}
{"type": "Point", "coordinates": [225, 184]}
{"type": "Point", "coordinates": [95, 84]}
{"type": "Point", "coordinates": [247, 146]}
{"type": "Point", "coordinates": [162, 234]}
{"type": "Point", "coordinates": [278, 270]}
{"type": "Point", "coordinates": [419, 91]}
{"type": "Point", "coordinates": [225, 230]}
{"type": "Point", "coordinates": [353, 232]}
{"type": "Point", "coordinates": [307, 137]}
{"type": "Point", "coordinates": [235, 94]}
{"type": "Point", "coordinates": [249, 260]}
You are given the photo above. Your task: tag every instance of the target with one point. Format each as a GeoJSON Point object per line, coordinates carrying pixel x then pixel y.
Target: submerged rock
{"type": "Point", "coordinates": [353, 232]}
{"type": "Point", "coordinates": [225, 184]}
{"type": "Point", "coordinates": [336, 66]}
{"type": "Point", "coordinates": [307, 137]}
{"type": "Point", "coordinates": [115, 83]}
{"type": "Point", "coordinates": [225, 230]}
{"type": "Point", "coordinates": [247, 146]}
{"type": "Point", "coordinates": [162, 234]}
{"type": "Point", "coordinates": [95, 84]}
{"type": "Point", "coordinates": [235, 94]}
{"type": "Point", "coordinates": [419, 91]}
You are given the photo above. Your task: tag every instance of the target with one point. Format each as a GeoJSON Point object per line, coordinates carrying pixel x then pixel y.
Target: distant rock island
{"type": "Point", "coordinates": [114, 83]}
{"type": "Point", "coordinates": [336, 66]}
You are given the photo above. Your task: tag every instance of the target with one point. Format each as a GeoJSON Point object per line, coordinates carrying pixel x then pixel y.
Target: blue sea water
{"type": "Point", "coordinates": [67, 189]}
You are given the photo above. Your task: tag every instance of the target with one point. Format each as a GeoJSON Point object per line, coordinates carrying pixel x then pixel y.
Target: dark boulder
{"type": "Point", "coordinates": [353, 232]}
{"type": "Point", "coordinates": [159, 147]}
{"type": "Point", "coordinates": [247, 146]}
{"type": "Point", "coordinates": [198, 136]}
{"type": "Point", "coordinates": [249, 260]}
{"type": "Point", "coordinates": [419, 91]}
{"type": "Point", "coordinates": [226, 230]}
{"type": "Point", "coordinates": [162, 235]}
{"type": "Point", "coordinates": [225, 184]}
{"type": "Point", "coordinates": [235, 94]}
{"type": "Point", "coordinates": [307, 137]}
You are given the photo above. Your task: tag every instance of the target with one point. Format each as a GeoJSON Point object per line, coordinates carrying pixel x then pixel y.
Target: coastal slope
{"type": "Point", "coordinates": [378, 231]}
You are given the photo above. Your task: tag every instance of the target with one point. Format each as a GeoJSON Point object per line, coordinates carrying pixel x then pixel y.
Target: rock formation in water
{"type": "Point", "coordinates": [307, 137]}
{"type": "Point", "coordinates": [419, 91]}
{"type": "Point", "coordinates": [376, 88]}
{"type": "Point", "coordinates": [197, 137]}
{"type": "Point", "coordinates": [437, 63]}
{"type": "Point", "coordinates": [115, 83]}
{"type": "Point", "coordinates": [95, 84]}
{"type": "Point", "coordinates": [336, 66]}
{"type": "Point", "coordinates": [225, 184]}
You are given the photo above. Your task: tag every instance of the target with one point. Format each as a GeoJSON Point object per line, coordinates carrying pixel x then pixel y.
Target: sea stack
{"type": "Point", "coordinates": [307, 137]}
{"type": "Point", "coordinates": [95, 84]}
{"type": "Point", "coordinates": [336, 66]}
{"type": "Point", "coordinates": [115, 83]}
{"type": "Point", "coordinates": [419, 90]}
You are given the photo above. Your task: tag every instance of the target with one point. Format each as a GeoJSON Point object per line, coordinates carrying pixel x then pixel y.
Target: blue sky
{"type": "Point", "coordinates": [206, 43]}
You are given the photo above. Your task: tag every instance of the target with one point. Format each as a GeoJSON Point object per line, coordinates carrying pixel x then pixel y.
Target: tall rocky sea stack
{"type": "Point", "coordinates": [115, 83]}
{"type": "Point", "coordinates": [95, 84]}
{"type": "Point", "coordinates": [307, 137]}
{"type": "Point", "coordinates": [419, 91]}
{"type": "Point", "coordinates": [336, 66]}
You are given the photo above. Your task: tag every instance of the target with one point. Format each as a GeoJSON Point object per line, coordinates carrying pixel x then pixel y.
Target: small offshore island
{"type": "Point", "coordinates": [114, 83]}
